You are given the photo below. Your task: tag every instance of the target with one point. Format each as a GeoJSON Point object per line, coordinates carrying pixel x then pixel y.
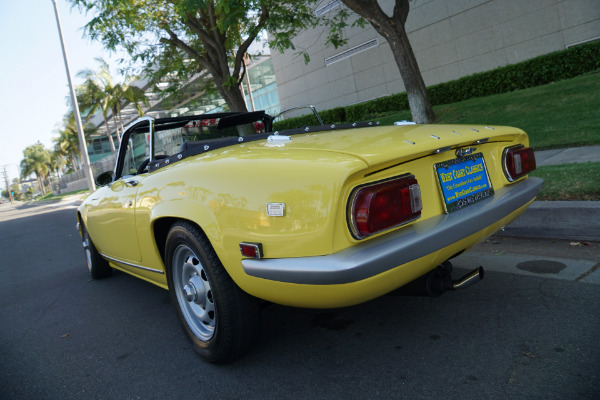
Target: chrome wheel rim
{"type": "Point", "coordinates": [194, 292]}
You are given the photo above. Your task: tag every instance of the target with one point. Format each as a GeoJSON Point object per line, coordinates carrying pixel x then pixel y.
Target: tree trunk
{"type": "Point", "coordinates": [393, 30]}
{"type": "Point", "coordinates": [41, 185]}
{"type": "Point", "coordinates": [117, 128]}
{"type": "Point", "coordinates": [73, 161]}
{"type": "Point", "coordinates": [120, 120]}
{"type": "Point", "coordinates": [416, 91]}
{"type": "Point", "coordinates": [109, 135]}
{"type": "Point", "coordinates": [215, 61]}
{"type": "Point", "coordinates": [233, 97]}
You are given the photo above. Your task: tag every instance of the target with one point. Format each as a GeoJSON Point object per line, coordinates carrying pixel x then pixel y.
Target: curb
{"type": "Point", "coordinates": [571, 220]}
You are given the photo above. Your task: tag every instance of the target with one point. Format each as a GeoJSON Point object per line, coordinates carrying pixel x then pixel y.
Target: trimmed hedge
{"type": "Point", "coordinates": [332, 116]}
{"type": "Point", "coordinates": [537, 71]}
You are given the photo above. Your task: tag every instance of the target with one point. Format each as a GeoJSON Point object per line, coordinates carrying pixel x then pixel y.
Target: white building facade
{"type": "Point", "coordinates": [451, 39]}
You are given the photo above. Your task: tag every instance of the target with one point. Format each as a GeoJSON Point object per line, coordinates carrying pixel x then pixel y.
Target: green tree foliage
{"type": "Point", "coordinates": [36, 160]}
{"type": "Point", "coordinates": [67, 141]}
{"type": "Point", "coordinates": [175, 40]}
{"type": "Point", "coordinates": [101, 92]}
{"type": "Point", "coordinates": [57, 162]}
{"type": "Point", "coordinates": [16, 189]}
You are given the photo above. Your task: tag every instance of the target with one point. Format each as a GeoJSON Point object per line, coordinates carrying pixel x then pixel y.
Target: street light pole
{"type": "Point", "coordinates": [87, 170]}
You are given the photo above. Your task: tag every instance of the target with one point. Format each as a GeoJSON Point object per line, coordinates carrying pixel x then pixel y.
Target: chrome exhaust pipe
{"type": "Point", "coordinates": [469, 279]}
{"type": "Point", "coordinates": [439, 281]}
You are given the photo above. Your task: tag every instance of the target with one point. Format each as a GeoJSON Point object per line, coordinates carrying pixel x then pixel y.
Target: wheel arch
{"type": "Point", "coordinates": [79, 222]}
{"type": "Point", "coordinates": [161, 228]}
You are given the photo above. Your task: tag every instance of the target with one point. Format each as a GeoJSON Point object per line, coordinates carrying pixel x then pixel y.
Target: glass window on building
{"type": "Point", "coordinates": [264, 87]}
{"type": "Point", "coordinates": [264, 92]}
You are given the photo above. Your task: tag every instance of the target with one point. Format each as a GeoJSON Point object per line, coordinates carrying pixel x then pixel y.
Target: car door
{"type": "Point", "coordinates": [112, 208]}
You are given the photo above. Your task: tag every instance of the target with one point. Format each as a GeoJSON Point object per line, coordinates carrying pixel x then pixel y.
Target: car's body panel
{"type": "Point", "coordinates": [401, 253]}
{"type": "Point", "coordinates": [225, 192]}
{"type": "Point", "coordinates": [112, 213]}
{"type": "Point", "coordinates": [372, 257]}
{"type": "Point", "coordinates": [342, 295]}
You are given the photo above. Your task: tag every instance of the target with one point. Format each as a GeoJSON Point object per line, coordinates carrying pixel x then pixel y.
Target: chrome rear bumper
{"type": "Point", "coordinates": [388, 251]}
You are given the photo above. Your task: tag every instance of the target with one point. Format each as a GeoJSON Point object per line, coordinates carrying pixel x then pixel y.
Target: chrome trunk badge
{"type": "Point", "coordinates": [275, 209]}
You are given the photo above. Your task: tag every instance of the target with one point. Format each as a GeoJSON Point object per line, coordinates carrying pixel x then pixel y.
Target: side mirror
{"type": "Point", "coordinates": [104, 178]}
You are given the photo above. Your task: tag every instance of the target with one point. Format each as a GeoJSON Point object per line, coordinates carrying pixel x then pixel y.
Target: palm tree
{"type": "Point", "coordinates": [133, 94]}
{"type": "Point", "coordinates": [67, 141]}
{"type": "Point", "coordinates": [36, 161]}
{"type": "Point", "coordinates": [92, 97]}
{"type": "Point", "coordinates": [57, 162]}
{"type": "Point", "coordinates": [101, 92]}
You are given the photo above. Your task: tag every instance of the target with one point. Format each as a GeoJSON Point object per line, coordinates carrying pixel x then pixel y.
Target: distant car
{"type": "Point", "coordinates": [225, 213]}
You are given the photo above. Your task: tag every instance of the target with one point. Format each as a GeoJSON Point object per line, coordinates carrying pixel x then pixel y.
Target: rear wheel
{"type": "Point", "coordinates": [97, 265]}
{"type": "Point", "coordinates": [220, 319]}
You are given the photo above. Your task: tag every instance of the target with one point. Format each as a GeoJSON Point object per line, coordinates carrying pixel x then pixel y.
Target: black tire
{"type": "Point", "coordinates": [97, 265]}
{"type": "Point", "coordinates": [220, 319]}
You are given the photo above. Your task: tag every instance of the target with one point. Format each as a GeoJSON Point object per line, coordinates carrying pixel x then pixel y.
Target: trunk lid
{"type": "Point", "coordinates": [379, 146]}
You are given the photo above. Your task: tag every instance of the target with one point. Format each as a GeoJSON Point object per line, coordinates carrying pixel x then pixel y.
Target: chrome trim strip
{"type": "Point", "coordinates": [313, 108]}
{"type": "Point", "coordinates": [388, 251]}
{"type": "Point", "coordinates": [132, 265]}
{"type": "Point", "coordinates": [504, 163]}
{"type": "Point", "coordinates": [123, 146]}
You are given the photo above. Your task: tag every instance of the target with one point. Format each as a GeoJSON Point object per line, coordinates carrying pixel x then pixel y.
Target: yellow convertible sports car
{"type": "Point", "coordinates": [225, 213]}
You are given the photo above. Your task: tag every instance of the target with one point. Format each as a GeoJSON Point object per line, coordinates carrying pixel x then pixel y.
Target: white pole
{"type": "Point", "coordinates": [87, 170]}
{"type": "Point", "coordinates": [248, 82]}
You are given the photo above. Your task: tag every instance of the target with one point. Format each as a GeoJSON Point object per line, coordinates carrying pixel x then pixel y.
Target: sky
{"type": "Point", "coordinates": [33, 81]}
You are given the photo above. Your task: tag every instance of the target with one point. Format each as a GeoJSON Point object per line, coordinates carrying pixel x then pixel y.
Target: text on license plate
{"type": "Point", "coordinates": [463, 181]}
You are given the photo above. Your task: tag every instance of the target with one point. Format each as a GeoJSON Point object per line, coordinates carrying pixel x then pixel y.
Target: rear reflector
{"type": "Point", "coordinates": [518, 162]}
{"type": "Point", "coordinates": [384, 205]}
{"type": "Point", "coordinates": [251, 250]}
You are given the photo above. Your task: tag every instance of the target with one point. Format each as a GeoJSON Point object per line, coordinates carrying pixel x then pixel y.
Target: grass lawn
{"type": "Point", "coordinates": [60, 196]}
{"type": "Point", "coordinates": [557, 115]}
{"type": "Point", "coordinates": [570, 181]}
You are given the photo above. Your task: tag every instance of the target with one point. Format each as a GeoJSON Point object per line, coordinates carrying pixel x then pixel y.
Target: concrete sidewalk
{"type": "Point", "coordinates": [573, 220]}
{"type": "Point", "coordinates": [567, 156]}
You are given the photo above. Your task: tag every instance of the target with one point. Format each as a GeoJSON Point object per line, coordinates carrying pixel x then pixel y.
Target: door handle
{"type": "Point", "coordinates": [132, 183]}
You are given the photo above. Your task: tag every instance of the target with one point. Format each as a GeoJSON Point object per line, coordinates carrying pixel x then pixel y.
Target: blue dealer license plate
{"type": "Point", "coordinates": [463, 181]}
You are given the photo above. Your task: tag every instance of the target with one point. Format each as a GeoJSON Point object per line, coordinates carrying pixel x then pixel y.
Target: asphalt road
{"type": "Point", "coordinates": [512, 336]}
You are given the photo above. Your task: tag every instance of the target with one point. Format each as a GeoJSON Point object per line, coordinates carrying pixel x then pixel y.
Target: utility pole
{"type": "Point", "coordinates": [85, 158]}
{"type": "Point", "coordinates": [10, 196]}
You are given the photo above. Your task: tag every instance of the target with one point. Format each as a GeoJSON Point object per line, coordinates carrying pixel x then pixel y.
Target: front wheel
{"type": "Point", "coordinates": [220, 319]}
{"type": "Point", "coordinates": [97, 265]}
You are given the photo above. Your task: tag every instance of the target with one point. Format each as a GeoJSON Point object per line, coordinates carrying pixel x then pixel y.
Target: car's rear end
{"type": "Point", "coordinates": [426, 193]}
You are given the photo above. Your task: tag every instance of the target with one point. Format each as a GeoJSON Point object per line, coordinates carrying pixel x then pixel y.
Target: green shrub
{"type": "Point", "coordinates": [331, 116]}
{"type": "Point", "coordinates": [395, 102]}
{"type": "Point", "coordinates": [296, 122]}
{"type": "Point", "coordinates": [537, 71]}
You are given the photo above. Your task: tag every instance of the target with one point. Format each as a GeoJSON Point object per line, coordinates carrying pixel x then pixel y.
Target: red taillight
{"type": "Point", "coordinates": [518, 162]}
{"type": "Point", "coordinates": [384, 205]}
